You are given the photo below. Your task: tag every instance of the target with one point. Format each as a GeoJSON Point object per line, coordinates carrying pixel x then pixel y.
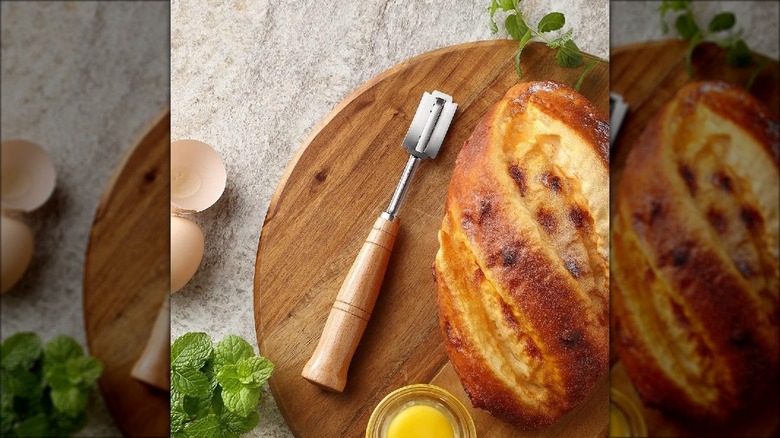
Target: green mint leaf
{"type": "Point", "coordinates": [91, 369]}
{"type": "Point", "coordinates": [561, 40]}
{"type": "Point", "coordinates": [740, 55]}
{"type": "Point", "coordinates": [228, 378]}
{"type": "Point", "coordinates": [191, 351]}
{"type": "Point", "coordinates": [211, 375]}
{"type": "Point", "coordinates": [686, 26]}
{"type": "Point", "coordinates": [20, 382]}
{"type": "Point", "coordinates": [755, 73]}
{"type": "Point", "coordinates": [675, 5]}
{"type": "Point", "coordinates": [506, 5]}
{"type": "Point", "coordinates": [65, 425]}
{"type": "Point", "coordinates": [56, 376]}
{"type": "Point", "coordinates": [492, 9]}
{"type": "Point", "coordinates": [254, 371]}
{"type": "Point", "coordinates": [552, 21]}
{"type": "Point", "coordinates": [243, 402]}
{"type": "Point", "coordinates": [592, 63]}
{"type": "Point", "coordinates": [70, 401]}
{"type": "Point", "coordinates": [689, 55]}
{"type": "Point", "coordinates": [512, 27]}
{"type": "Point", "coordinates": [721, 22]}
{"type": "Point", "coordinates": [178, 417]}
{"type": "Point", "coordinates": [231, 350]}
{"type": "Point", "coordinates": [206, 427]}
{"type": "Point", "coordinates": [662, 10]}
{"type": "Point", "coordinates": [523, 41]}
{"type": "Point", "coordinates": [197, 406]}
{"type": "Point", "coordinates": [35, 426]}
{"type": "Point", "coordinates": [21, 350]}
{"type": "Point", "coordinates": [522, 26]}
{"type": "Point", "coordinates": [73, 371]}
{"type": "Point", "coordinates": [238, 424]}
{"type": "Point", "coordinates": [62, 348]}
{"type": "Point", "coordinates": [7, 419]}
{"type": "Point", "coordinates": [190, 382]}
{"type": "Point", "coordinates": [217, 406]}
{"type": "Point", "coordinates": [569, 55]}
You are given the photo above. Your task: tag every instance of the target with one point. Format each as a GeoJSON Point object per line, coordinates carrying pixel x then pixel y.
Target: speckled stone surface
{"type": "Point", "coordinates": [252, 78]}
{"type": "Point", "coordinates": [634, 21]}
{"type": "Point", "coordinates": [83, 80]}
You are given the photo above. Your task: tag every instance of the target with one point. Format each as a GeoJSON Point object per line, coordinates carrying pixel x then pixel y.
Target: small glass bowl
{"type": "Point", "coordinates": [629, 411]}
{"type": "Point", "coordinates": [421, 394]}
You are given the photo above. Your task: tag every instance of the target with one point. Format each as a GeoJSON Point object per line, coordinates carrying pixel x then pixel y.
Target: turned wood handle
{"type": "Point", "coordinates": [349, 315]}
{"type": "Point", "coordinates": [153, 366]}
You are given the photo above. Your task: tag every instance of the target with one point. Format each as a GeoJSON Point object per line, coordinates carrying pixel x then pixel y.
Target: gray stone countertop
{"type": "Point", "coordinates": [252, 78]}
{"type": "Point", "coordinates": [83, 80]}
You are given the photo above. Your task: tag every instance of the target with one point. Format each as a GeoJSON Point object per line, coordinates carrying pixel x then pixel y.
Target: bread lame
{"type": "Point", "coordinates": [349, 315]}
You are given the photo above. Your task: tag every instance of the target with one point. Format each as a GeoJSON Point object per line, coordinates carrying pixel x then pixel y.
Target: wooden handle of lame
{"type": "Point", "coordinates": [349, 315]}
{"type": "Point", "coordinates": [153, 367]}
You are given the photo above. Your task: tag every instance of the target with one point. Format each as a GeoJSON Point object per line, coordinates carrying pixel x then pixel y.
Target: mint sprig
{"type": "Point", "coordinates": [215, 390]}
{"type": "Point", "coordinates": [568, 54]}
{"type": "Point", "coordinates": [44, 390]}
{"type": "Point", "coordinates": [720, 30]}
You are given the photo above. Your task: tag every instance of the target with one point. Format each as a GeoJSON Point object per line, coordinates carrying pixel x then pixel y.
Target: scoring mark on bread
{"type": "Point", "coordinates": [579, 217]}
{"type": "Point", "coordinates": [509, 316]}
{"type": "Point", "coordinates": [750, 217]}
{"type": "Point", "coordinates": [518, 176]}
{"type": "Point", "coordinates": [547, 219]}
{"type": "Point", "coordinates": [485, 208]}
{"type": "Point", "coordinates": [572, 267]}
{"type": "Point", "coordinates": [532, 349]}
{"type": "Point", "coordinates": [452, 338]}
{"type": "Point", "coordinates": [689, 177]}
{"type": "Point", "coordinates": [570, 337]}
{"type": "Point", "coordinates": [509, 256]}
{"type": "Point", "coordinates": [552, 182]}
{"type": "Point", "coordinates": [677, 257]}
{"type": "Point", "coordinates": [744, 268]}
{"type": "Point", "coordinates": [717, 219]}
{"type": "Point", "coordinates": [722, 181]}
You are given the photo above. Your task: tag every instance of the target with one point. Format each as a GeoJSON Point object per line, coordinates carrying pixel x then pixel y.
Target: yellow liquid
{"type": "Point", "coordinates": [618, 424]}
{"type": "Point", "coordinates": [420, 421]}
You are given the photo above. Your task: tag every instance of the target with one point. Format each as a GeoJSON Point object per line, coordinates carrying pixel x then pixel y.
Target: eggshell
{"type": "Point", "coordinates": [28, 175]}
{"type": "Point", "coordinates": [17, 250]}
{"type": "Point", "coordinates": [187, 246]}
{"type": "Point", "coordinates": [198, 175]}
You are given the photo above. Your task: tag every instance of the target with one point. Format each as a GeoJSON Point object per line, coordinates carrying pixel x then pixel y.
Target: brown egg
{"type": "Point", "coordinates": [28, 175]}
{"type": "Point", "coordinates": [187, 245]}
{"type": "Point", "coordinates": [17, 250]}
{"type": "Point", "coordinates": [198, 179]}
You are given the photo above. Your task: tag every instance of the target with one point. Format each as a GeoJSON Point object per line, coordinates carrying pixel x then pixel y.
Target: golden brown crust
{"type": "Point", "coordinates": [522, 271]}
{"type": "Point", "coordinates": [695, 248]}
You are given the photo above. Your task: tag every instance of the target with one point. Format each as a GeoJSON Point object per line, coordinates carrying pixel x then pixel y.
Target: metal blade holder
{"type": "Point", "coordinates": [423, 140]}
{"type": "Point", "coordinates": [352, 309]}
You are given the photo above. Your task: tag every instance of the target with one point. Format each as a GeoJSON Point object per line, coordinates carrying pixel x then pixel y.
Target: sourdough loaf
{"type": "Point", "coordinates": [695, 255]}
{"type": "Point", "coordinates": [522, 270]}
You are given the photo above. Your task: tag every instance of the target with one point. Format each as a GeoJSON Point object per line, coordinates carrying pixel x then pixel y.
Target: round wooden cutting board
{"type": "Point", "coordinates": [648, 75]}
{"type": "Point", "coordinates": [331, 194]}
{"type": "Point", "coordinates": [126, 279]}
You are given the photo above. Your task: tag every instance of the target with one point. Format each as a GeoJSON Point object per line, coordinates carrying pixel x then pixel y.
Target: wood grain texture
{"type": "Point", "coordinates": [340, 180]}
{"type": "Point", "coordinates": [648, 75]}
{"type": "Point", "coordinates": [126, 279]}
